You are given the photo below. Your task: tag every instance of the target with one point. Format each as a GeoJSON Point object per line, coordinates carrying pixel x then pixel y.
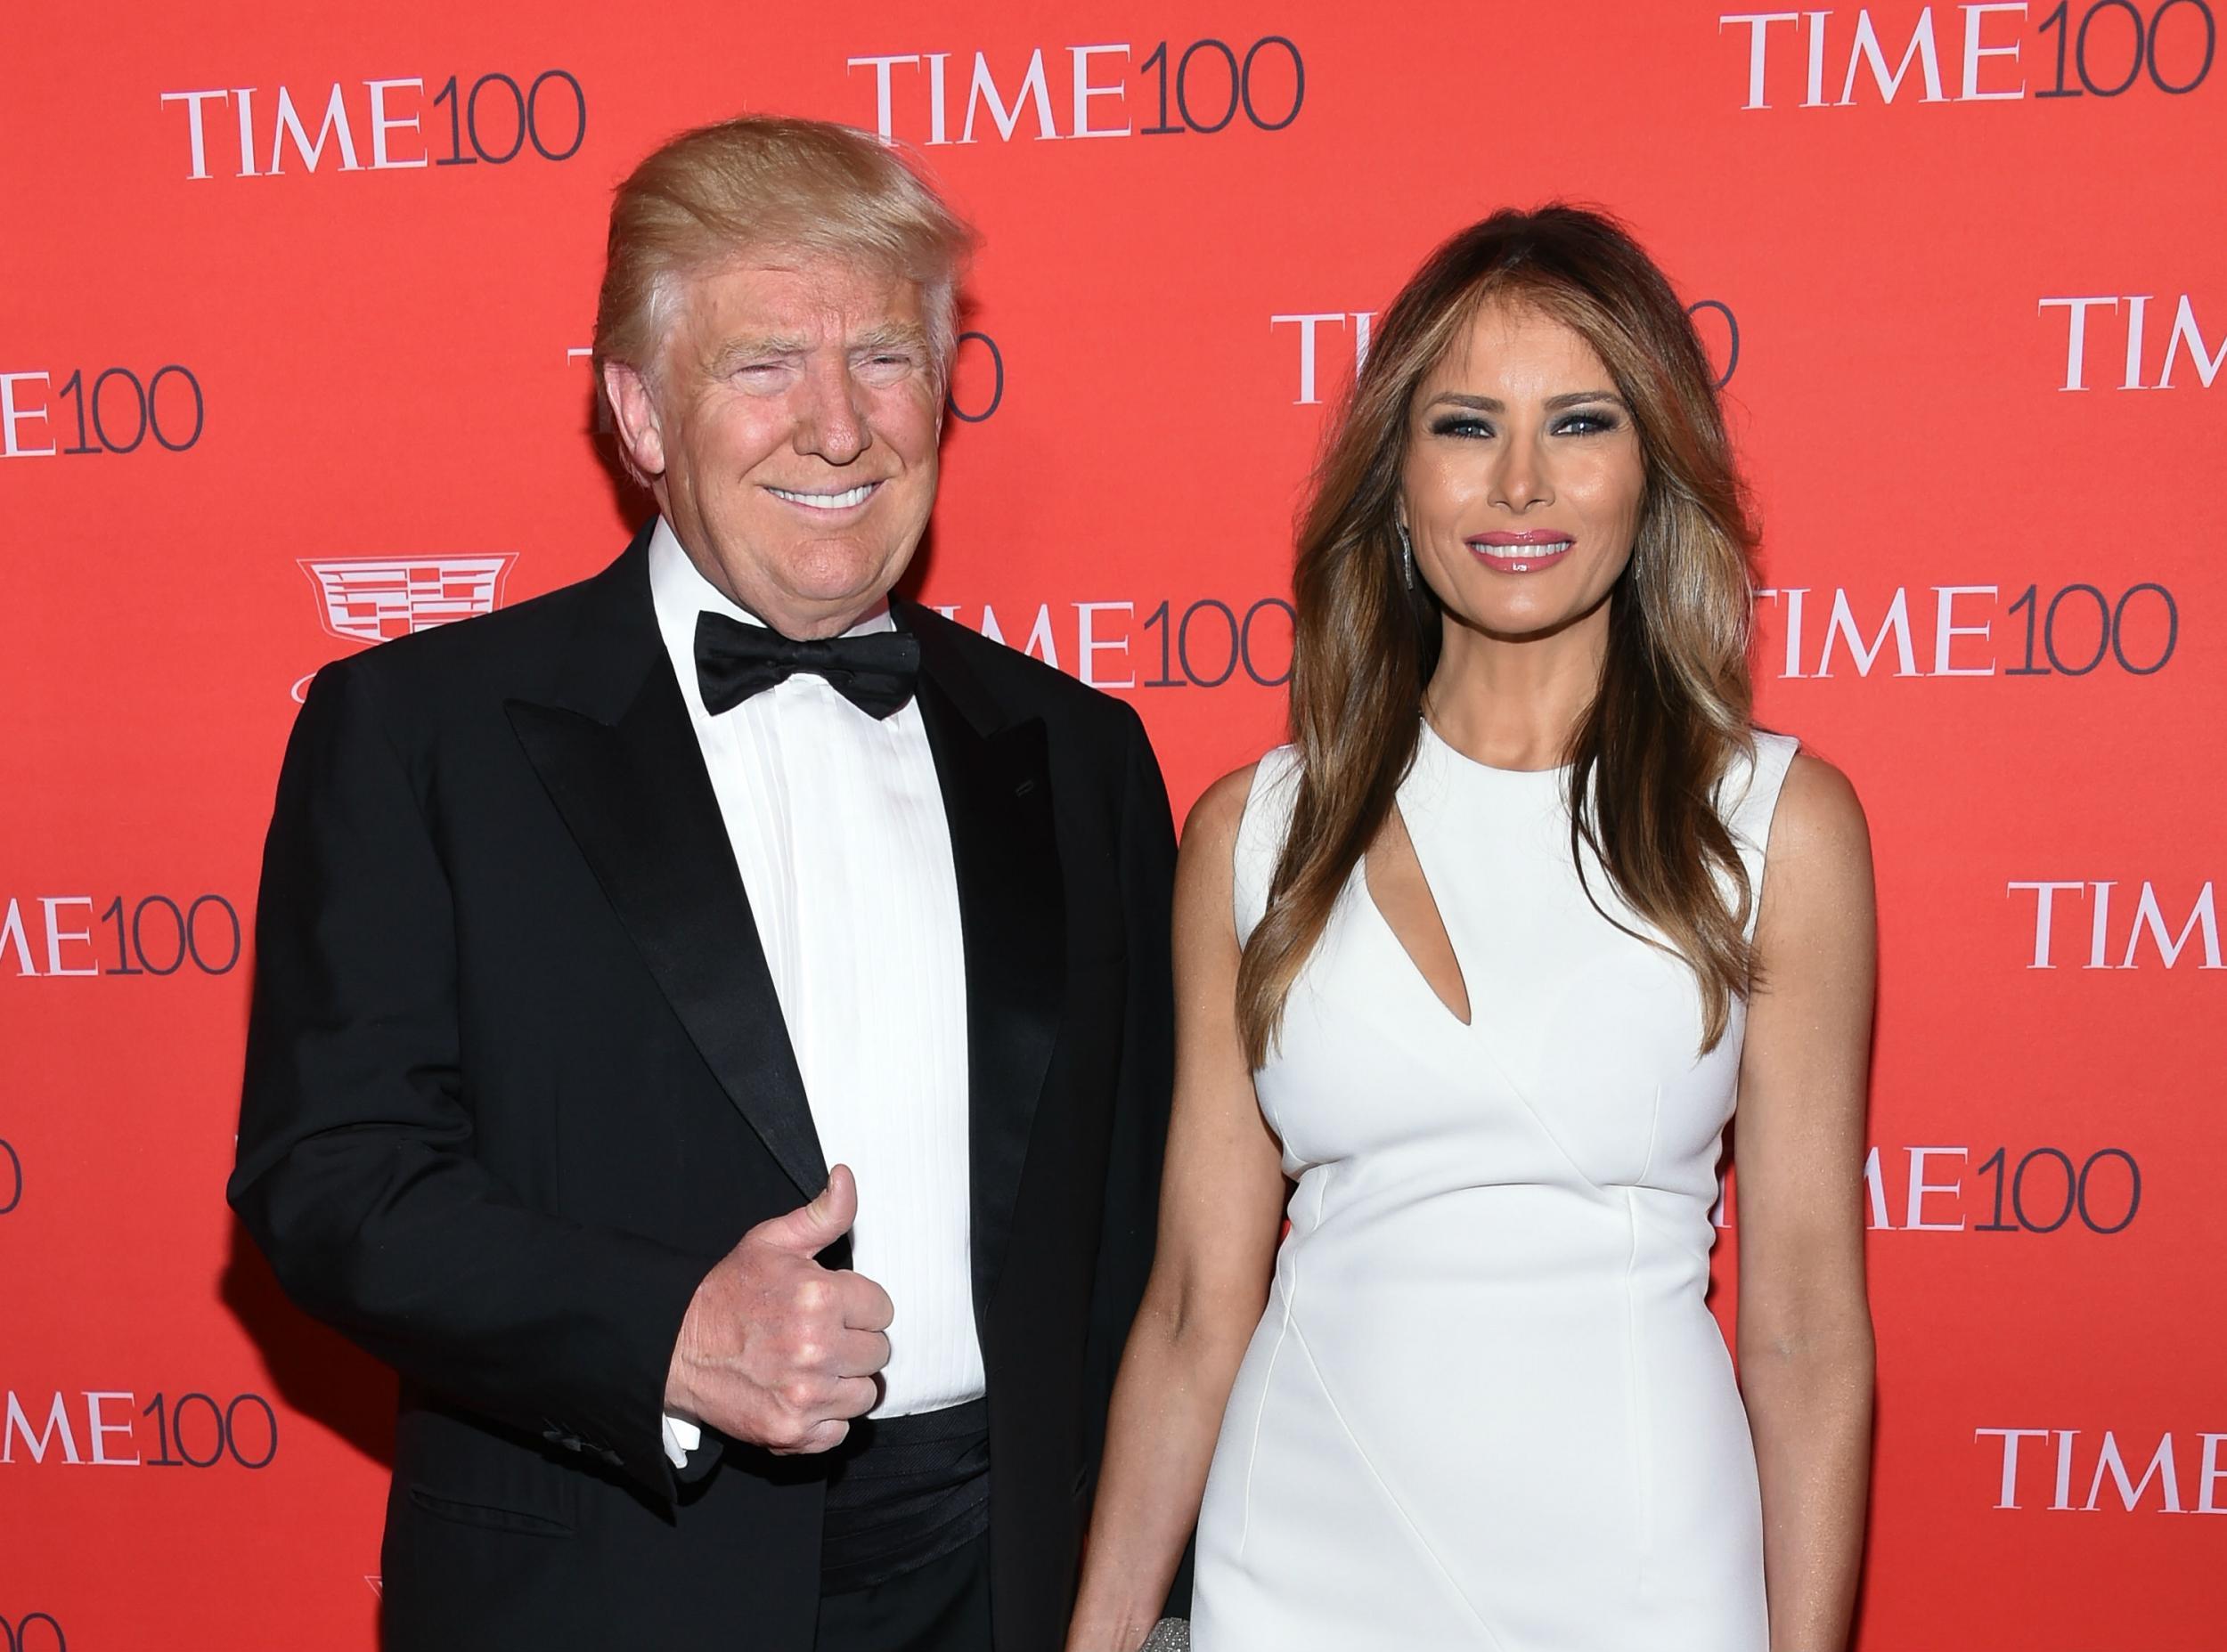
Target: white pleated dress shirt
{"type": "Point", "coordinates": [838, 830]}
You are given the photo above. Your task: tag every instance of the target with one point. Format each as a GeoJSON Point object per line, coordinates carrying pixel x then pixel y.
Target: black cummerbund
{"type": "Point", "coordinates": [904, 1491]}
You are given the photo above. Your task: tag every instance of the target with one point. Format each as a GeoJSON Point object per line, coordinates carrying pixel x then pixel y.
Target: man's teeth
{"type": "Point", "coordinates": [826, 501]}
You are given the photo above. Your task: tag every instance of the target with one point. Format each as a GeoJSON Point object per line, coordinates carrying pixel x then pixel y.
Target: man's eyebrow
{"type": "Point", "coordinates": [888, 335]}
{"type": "Point", "coordinates": [763, 346]}
{"type": "Point", "coordinates": [755, 347]}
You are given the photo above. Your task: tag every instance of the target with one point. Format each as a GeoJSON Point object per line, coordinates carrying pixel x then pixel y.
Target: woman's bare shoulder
{"type": "Point", "coordinates": [1215, 816]}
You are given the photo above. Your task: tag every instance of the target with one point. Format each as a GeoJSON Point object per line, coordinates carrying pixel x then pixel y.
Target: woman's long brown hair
{"type": "Point", "coordinates": [1674, 703]}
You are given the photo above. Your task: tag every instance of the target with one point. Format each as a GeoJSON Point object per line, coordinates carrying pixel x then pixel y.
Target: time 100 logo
{"type": "Point", "coordinates": [34, 1632]}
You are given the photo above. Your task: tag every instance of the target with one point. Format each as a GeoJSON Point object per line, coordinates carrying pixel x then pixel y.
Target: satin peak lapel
{"type": "Point", "coordinates": [637, 799]}
{"type": "Point", "coordinates": [996, 798]}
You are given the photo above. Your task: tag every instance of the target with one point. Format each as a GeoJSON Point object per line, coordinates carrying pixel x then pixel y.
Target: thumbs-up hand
{"type": "Point", "coordinates": [777, 1350]}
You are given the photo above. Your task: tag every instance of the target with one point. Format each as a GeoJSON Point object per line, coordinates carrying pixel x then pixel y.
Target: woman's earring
{"type": "Point", "coordinates": [1407, 555]}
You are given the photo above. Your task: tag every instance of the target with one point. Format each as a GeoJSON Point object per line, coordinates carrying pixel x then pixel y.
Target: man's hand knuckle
{"type": "Point", "coordinates": [785, 1429]}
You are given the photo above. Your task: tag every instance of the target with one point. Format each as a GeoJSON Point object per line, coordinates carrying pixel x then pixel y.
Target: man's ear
{"type": "Point", "coordinates": [634, 411]}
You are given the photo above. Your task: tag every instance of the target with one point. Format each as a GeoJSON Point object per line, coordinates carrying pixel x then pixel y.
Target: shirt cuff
{"type": "Point", "coordinates": [681, 1437]}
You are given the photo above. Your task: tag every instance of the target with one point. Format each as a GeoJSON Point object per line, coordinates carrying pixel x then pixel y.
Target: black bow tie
{"type": "Point", "coordinates": [875, 672]}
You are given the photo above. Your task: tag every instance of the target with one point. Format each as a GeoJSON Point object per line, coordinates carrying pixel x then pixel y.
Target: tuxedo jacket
{"type": "Point", "coordinates": [516, 1078]}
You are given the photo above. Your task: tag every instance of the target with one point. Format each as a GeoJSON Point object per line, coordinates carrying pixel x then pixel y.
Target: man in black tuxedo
{"type": "Point", "coordinates": [711, 1022]}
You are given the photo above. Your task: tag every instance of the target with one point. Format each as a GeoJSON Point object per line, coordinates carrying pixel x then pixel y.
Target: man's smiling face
{"type": "Point", "coordinates": [789, 434]}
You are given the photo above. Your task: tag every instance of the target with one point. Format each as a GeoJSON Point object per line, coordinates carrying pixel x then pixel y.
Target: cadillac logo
{"type": "Point", "coordinates": [375, 599]}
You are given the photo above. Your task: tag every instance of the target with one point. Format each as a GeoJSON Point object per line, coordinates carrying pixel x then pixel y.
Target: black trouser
{"type": "Point", "coordinates": [941, 1607]}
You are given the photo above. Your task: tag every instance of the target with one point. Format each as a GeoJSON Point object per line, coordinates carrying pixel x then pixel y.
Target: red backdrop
{"type": "Point", "coordinates": [1962, 267]}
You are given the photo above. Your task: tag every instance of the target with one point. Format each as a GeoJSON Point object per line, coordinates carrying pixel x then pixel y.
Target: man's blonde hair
{"type": "Point", "coordinates": [767, 182]}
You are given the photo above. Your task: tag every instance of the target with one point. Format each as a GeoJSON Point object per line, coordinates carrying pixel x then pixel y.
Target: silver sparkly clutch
{"type": "Point", "coordinates": [1170, 1634]}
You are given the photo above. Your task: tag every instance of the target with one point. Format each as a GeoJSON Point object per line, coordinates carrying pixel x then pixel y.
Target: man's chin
{"type": "Point", "coordinates": [828, 607]}
{"type": "Point", "coordinates": [814, 585]}
{"type": "Point", "coordinates": [833, 574]}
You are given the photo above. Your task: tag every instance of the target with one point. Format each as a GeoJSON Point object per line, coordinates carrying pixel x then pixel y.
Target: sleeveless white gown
{"type": "Point", "coordinates": [1486, 1406]}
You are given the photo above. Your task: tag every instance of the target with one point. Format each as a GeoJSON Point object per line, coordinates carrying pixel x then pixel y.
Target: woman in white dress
{"type": "Point", "coordinates": [1480, 963]}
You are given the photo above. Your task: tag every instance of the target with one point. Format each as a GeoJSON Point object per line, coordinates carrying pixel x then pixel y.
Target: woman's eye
{"type": "Point", "coordinates": [1471, 425]}
{"type": "Point", "coordinates": [1461, 426]}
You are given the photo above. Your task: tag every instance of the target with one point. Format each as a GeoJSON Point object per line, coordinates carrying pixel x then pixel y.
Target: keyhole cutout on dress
{"type": "Point", "coordinates": [1393, 874]}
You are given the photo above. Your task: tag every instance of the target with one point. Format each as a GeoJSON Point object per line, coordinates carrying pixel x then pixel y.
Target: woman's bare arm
{"type": "Point", "coordinates": [1805, 1331]}
{"type": "Point", "coordinates": [1220, 1210]}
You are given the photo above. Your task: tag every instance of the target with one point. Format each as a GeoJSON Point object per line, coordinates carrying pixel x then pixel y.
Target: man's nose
{"type": "Point", "coordinates": [831, 423]}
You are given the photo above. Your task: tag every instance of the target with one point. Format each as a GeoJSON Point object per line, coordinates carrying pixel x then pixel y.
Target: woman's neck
{"type": "Point", "coordinates": [1513, 703]}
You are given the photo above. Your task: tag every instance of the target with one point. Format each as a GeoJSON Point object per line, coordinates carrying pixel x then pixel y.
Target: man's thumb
{"type": "Point", "coordinates": [811, 1228]}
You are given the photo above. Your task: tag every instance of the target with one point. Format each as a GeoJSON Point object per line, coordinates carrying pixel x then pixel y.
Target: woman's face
{"type": "Point", "coordinates": [1523, 480]}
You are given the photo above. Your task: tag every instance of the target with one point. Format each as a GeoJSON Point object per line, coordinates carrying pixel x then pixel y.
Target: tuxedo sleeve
{"type": "Point", "coordinates": [356, 1173]}
{"type": "Point", "coordinates": [1148, 1071]}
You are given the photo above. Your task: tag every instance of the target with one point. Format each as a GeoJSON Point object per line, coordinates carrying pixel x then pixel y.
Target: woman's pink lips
{"type": "Point", "coordinates": [1517, 553]}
